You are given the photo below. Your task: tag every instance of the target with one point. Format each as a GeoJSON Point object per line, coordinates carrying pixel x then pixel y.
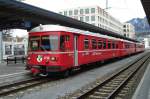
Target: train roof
{"type": "Point", "coordinates": [43, 28]}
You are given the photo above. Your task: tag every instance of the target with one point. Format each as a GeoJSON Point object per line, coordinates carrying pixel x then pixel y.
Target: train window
{"type": "Point", "coordinates": [34, 43]}
{"type": "Point", "coordinates": [99, 44]}
{"type": "Point", "coordinates": [63, 38]}
{"type": "Point", "coordinates": [109, 44]}
{"type": "Point", "coordinates": [113, 45]}
{"type": "Point", "coordinates": [104, 44]}
{"type": "Point", "coordinates": [67, 38]}
{"type": "Point", "coordinates": [94, 44]}
{"type": "Point", "coordinates": [49, 43]}
{"type": "Point", "coordinates": [86, 44]}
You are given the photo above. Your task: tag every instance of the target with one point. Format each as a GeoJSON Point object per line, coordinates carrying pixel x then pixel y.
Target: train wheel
{"type": "Point", "coordinates": [66, 73]}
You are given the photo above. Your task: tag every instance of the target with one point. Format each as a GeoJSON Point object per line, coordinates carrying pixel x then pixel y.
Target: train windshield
{"type": "Point", "coordinates": [34, 43]}
{"type": "Point", "coordinates": [49, 43]}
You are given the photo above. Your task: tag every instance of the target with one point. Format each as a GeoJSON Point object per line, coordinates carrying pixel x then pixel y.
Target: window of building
{"type": "Point", "coordinates": [100, 44]}
{"type": "Point", "coordinates": [87, 11]}
{"type": "Point", "coordinates": [81, 11]}
{"type": "Point", "coordinates": [109, 45]}
{"type": "Point", "coordinates": [70, 12]}
{"type": "Point", "coordinates": [104, 44]}
{"type": "Point", "coordinates": [94, 44]}
{"type": "Point", "coordinates": [93, 23]}
{"type": "Point", "coordinates": [86, 18]}
{"type": "Point", "coordinates": [92, 10]}
{"type": "Point", "coordinates": [65, 13]}
{"type": "Point", "coordinates": [76, 17]}
{"type": "Point", "coordinates": [81, 19]}
{"type": "Point", "coordinates": [60, 13]}
{"type": "Point", "coordinates": [86, 44]}
{"type": "Point", "coordinates": [75, 12]}
{"type": "Point", "coordinates": [93, 18]}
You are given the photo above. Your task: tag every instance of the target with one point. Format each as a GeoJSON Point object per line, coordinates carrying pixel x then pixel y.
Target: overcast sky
{"type": "Point", "coordinates": [122, 10]}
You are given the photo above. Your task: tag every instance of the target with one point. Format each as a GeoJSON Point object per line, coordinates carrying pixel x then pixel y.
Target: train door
{"type": "Point", "coordinates": [75, 50]}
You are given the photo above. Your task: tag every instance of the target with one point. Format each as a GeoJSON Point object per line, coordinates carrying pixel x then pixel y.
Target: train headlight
{"type": "Point", "coordinates": [28, 58]}
{"type": "Point", "coordinates": [53, 58]}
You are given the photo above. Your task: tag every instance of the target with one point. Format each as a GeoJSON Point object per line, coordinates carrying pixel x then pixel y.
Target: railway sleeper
{"type": "Point", "coordinates": [105, 90]}
{"type": "Point", "coordinates": [95, 97]}
{"type": "Point", "coordinates": [104, 94]}
{"type": "Point", "coordinates": [112, 85]}
{"type": "Point", "coordinates": [107, 87]}
{"type": "Point", "coordinates": [121, 95]}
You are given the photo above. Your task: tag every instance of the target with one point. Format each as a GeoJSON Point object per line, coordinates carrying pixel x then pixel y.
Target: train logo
{"type": "Point", "coordinates": [39, 58]}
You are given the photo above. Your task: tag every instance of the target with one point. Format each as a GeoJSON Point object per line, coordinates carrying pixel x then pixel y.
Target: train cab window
{"type": "Point", "coordinates": [109, 45]}
{"type": "Point", "coordinates": [104, 44]}
{"type": "Point", "coordinates": [49, 43]}
{"type": "Point", "coordinates": [34, 43]}
{"type": "Point", "coordinates": [94, 44]}
{"type": "Point", "coordinates": [100, 44]}
{"type": "Point", "coordinates": [86, 43]}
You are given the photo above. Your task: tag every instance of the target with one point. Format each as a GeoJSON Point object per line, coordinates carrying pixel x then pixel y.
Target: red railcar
{"type": "Point", "coordinates": [54, 48]}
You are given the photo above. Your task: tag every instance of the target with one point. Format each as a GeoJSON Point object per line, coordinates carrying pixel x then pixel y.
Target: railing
{"type": "Point", "coordinates": [16, 59]}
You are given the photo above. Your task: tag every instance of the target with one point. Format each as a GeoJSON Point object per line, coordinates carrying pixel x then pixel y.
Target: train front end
{"type": "Point", "coordinates": [47, 54]}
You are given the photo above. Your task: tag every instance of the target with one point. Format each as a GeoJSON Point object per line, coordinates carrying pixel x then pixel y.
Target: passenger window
{"type": "Point", "coordinates": [104, 44]}
{"type": "Point", "coordinates": [113, 45]}
{"type": "Point", "coordinates": [109, 44]}
{"type": "Point", "coordinates": [100, 44]}
{"type": "Point", "coordinates": [63, 39]}
{"type": "Point", "coordinates": [86, 44]}
{"type": "Point", "coordinates": [67, 38]}
{"type": "Point", "coordinates": [94, 44]}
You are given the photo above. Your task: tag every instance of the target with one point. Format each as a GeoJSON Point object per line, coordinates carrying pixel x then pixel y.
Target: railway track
{"type": "Point", "coordinates": [24, 84]}
{"type": "Point", "coordinates": [120, 85]}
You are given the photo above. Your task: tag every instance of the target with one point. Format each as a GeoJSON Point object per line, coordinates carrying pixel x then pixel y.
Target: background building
{"type": "Point", "coordinates": [96, 16]}
{"type": "Point", "coordinates": [128, 30]}
{"type": "Point", "coordinates": [147, 43]}
{"type": "Point", "coordinates": [15, 46]}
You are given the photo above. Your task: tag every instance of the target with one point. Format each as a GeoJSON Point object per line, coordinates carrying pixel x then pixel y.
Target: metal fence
{"type": "Point", "coordinates": [16, 59]}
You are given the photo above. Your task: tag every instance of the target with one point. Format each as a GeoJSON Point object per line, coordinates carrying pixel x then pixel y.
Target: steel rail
{"type": "Point", "coordinates": [109, 94]}
{"type": "Point", "coordinates": [24, 84]}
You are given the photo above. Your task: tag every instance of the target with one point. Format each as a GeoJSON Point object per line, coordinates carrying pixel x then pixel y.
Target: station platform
{"type": "Point", "coordinates": [143, 90]}
{"type": "Point", "coordinates": [6, 69]}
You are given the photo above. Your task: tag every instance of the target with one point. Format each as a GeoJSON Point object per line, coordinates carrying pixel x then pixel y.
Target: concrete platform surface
{"type": "Point", "coordinates": [143, 90]}
{"type": "Point", "coordinates": [11, 68]}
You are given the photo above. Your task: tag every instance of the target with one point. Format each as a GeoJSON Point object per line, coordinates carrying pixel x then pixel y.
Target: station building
{"type": "Point", "coordinates": [15, 46]}
{"type": "Point", "coordinates": [96, 16]}
{"type": "Point", "coordinates": [128, 30]}
{"type": "Point", "coordinates": [147, 43]}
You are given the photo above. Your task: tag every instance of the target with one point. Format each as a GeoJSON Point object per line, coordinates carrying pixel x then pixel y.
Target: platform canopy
{"type": "Point", "coordinates": [146, 6]}
{"type": "Point", "coordinates": [14, 14]}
